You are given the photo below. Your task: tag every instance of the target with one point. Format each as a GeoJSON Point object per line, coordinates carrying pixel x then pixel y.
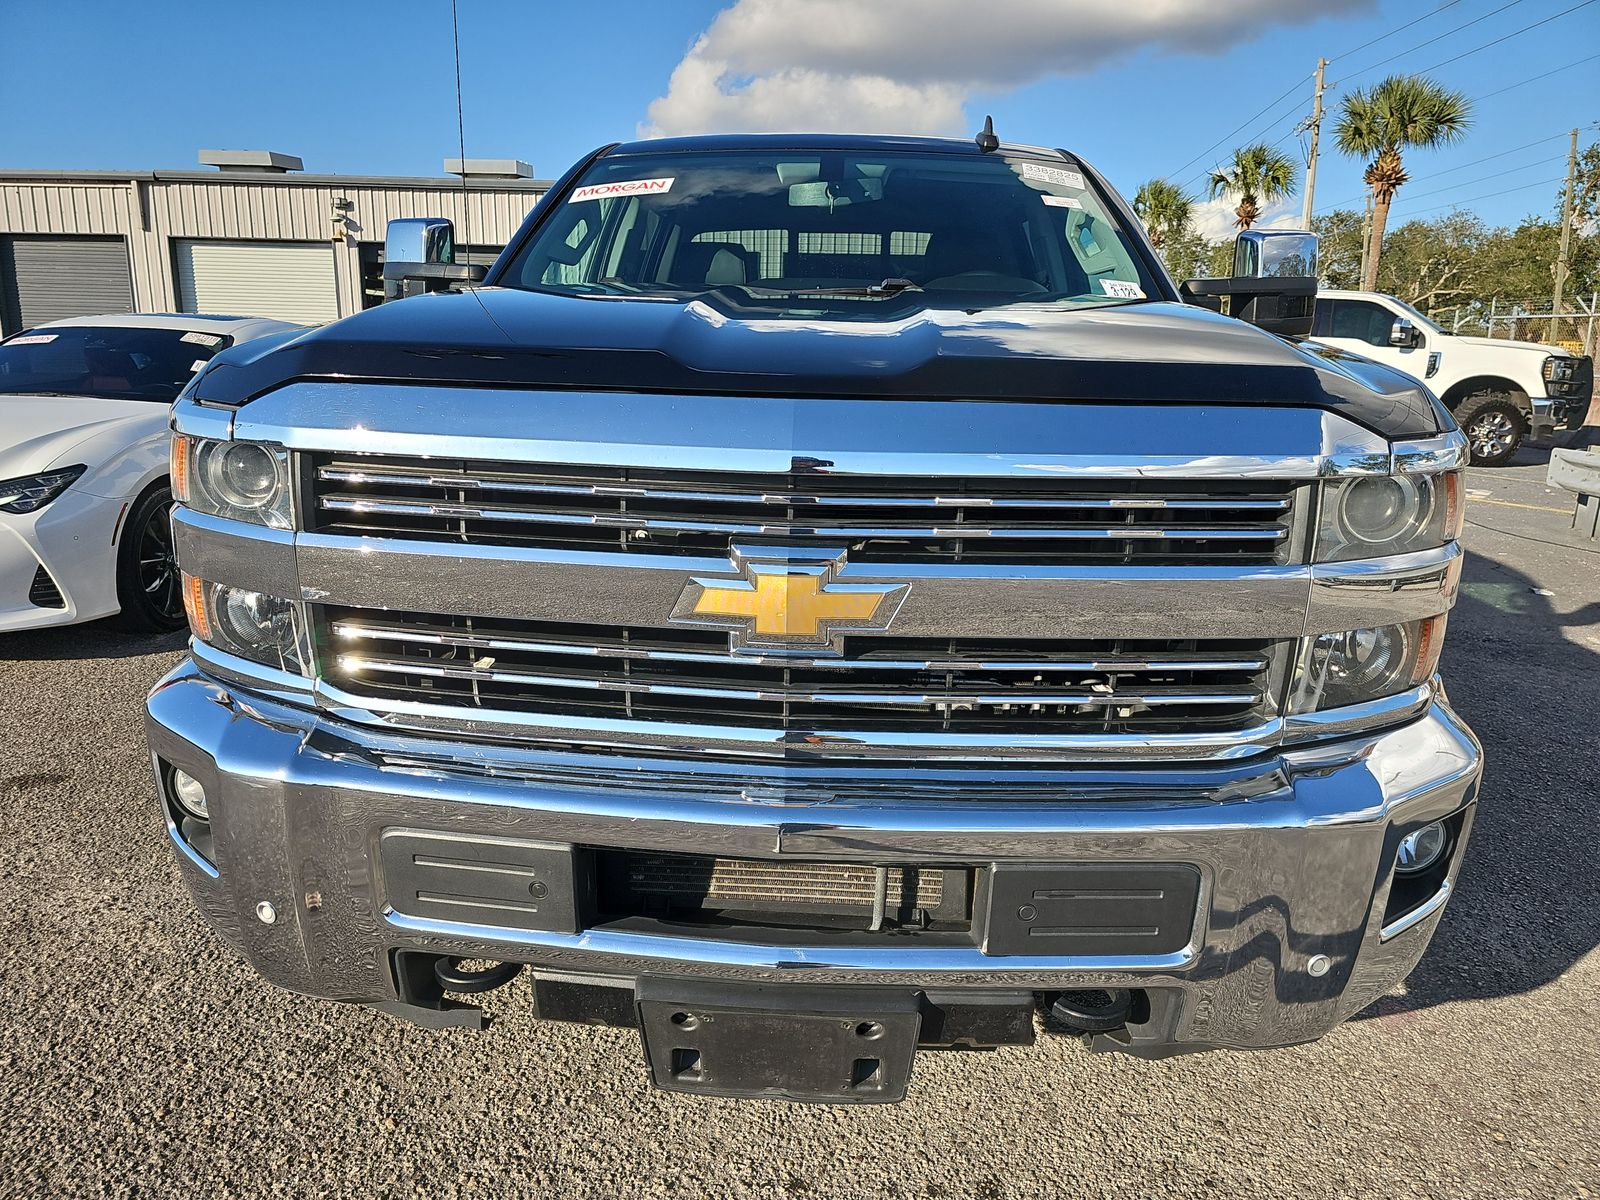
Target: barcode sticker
{"type": "Point", "coordinates": [201, 339]}
{"type": "Point", "coordinates": [1043, 174]}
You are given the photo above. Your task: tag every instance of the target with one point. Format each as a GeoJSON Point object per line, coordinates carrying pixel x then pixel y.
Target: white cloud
{"type": "Point", "coordinates": [1214, 219]}
{"type": "Point", "coordinates": [908, 66]}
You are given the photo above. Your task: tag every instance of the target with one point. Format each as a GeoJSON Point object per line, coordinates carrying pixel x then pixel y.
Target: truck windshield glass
{"type": "Point", "coordinates": [117, 362]}
{"type": "Point", "coordinates": [1417, 317]}
{"type": "Point", "coordinates": [792, 229]}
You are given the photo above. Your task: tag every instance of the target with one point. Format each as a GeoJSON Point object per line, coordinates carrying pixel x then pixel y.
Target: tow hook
{"type": "Point", "coordinates": [452, 978]}
{"type": "Point", "coordinates": [1093, 1010]}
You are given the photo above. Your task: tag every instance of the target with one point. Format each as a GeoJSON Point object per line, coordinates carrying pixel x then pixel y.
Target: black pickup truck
{"type": "Point", "coordinates": [816, 598]}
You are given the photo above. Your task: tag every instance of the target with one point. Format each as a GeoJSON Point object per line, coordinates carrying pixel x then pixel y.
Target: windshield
{"type": "Point", "coordinates": [785, 229]}
{"type": "Point", "coordinates": [117, 362]}
{"type": "Point", "coordinates": [1418, 318]}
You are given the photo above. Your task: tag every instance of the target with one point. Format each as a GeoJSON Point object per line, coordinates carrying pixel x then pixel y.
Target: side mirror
{"type": "Point", "coordinates": [1274, 282]}
{"type": "Point", "coordinates": [419, 255]}
{"type": "Point", "coordinates": [1404, 334]}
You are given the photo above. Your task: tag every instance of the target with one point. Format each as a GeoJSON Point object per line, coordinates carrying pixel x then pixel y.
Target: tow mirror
{"type": "Point", "coordinates": [419, 255]}
{"type": "Point", "coordinates": [1273, 285]}
{"type": "Point", "coordinates": [1404, 334]}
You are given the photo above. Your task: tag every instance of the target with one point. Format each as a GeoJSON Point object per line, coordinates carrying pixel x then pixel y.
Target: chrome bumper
{"type": "Point", "coordinates": [1294, 851]}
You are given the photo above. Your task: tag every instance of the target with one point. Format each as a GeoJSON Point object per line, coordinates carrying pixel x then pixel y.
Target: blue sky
{"type": "Point", "coordinates": [1139, 87]}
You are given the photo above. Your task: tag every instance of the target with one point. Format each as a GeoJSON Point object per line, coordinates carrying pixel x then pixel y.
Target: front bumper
{"type": "Point", "coordinates": [1294, 853]}
{"type": "Point", "coordinates": [72, 540]}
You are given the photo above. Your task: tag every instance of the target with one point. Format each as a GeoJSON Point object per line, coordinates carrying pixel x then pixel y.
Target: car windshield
{"type": "Point", "coordinates": [798, 230]}
{"type": "Point", "coordinates": [1419, 318]}
{"type": "Point", "coordinates": [121, 362]}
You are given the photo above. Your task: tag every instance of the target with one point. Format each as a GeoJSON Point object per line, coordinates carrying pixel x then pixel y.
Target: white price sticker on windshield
{"type": "Point", "coordinates": [626, 187]}
{"type": "Point", "coordinates": [1055, 175]}
{"type": "Point", "coordinates": [1121, 289]}
{"type": "Point", "coordinates": [1061, 201]}
{"type": "Point", "coordinates": [201, 339]}
{"type": "Point", "coordinates": [32, 339]}
{"type": "Point", "coordinates": [196, 365]}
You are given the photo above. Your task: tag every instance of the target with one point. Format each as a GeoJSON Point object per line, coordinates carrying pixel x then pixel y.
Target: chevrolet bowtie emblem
{"type": "Point", "coordinates": [788, 600]}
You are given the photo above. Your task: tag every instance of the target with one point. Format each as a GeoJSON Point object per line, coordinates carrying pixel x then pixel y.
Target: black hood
{"type": "Point", "coordinates": [1157, 353]}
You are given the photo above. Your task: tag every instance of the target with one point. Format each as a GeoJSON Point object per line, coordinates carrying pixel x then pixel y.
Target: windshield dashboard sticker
{"type": "Point", "coordinates": [628, 187]}
{"type": "Point", "coordinates": [201, 339]}
{"type": "Point", "coordinates": [32, 339]}
{"type": "Point", "coordinates": [1061, 201]}
{"type": "Point", "coordinates": [1045, 174]}
{"type": "Point", "coordinates": [1122, 289]}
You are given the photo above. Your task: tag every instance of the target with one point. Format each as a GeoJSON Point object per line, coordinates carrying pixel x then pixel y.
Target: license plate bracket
{"type": "Point", "coordinates": [824, 1045]}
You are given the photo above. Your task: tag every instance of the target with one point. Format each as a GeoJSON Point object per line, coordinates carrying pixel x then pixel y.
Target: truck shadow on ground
{"type": "Point", "coordinates": [1527, 907]}
{"type": "Point", "coordinates": [95, 639]}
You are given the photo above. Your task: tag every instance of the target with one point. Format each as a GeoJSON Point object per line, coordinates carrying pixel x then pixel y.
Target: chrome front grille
{"type": "Point", "coordinates": [920, 685]}
{"type": "Point", "coordinates": [1026, 521]}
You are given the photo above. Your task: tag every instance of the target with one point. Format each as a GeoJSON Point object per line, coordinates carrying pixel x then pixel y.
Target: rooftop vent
{"type": "Point", "coordinates": [253, 162]}
{"type": "Point", "coordinates": [488, 168]}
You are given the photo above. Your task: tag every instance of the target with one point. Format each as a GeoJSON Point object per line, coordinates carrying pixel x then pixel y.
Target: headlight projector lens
{"type": "Point", "coordinates": [1382, 509]}
{"type": "Point", "coordinates": [1420, 849]}
{"type": "Point", "coordinates": [243, 474]}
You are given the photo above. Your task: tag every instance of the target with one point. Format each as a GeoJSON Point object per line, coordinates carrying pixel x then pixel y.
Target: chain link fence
{"type": "Point", "coordinates": [1529, 319]}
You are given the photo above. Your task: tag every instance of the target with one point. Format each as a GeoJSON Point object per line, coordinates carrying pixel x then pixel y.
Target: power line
{"type": "Point", "coordinates": [1436, 38]}
{"type": "Point", "coordinates": [1427, 16]}
{"type": "Point", "coordinates": [1506, 37]}
{"type": "Point", "coordinates": [1460, 167]}
{"type": "Point", "coordinates": [1242, 124]}
{"type": "Point", "coordinates": [1532, 78]}
{"type": "Point", "coordinates": [1488, 195]}
{"type": "Point", "coordinates": [1470, 182]}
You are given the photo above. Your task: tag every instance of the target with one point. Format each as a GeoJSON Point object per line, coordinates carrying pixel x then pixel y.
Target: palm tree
{"type": "Point", "coordinates": [1400, 112]}
{"type": "Point", "coordinates": [1164, 207]}
{"type": "Point", "coordinates": [1258, 175]}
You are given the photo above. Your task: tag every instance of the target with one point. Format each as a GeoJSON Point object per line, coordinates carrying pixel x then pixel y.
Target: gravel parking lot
{"type": "Point", "coordinates": [140, 1057]}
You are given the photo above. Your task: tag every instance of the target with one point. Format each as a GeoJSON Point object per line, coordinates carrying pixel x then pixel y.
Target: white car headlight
{"type": "Point", "coordinates": [253, 625]}
{"type": "Point", "coordinates": [1376, 515]}
{"type": "Point", "coordinates": [30, 493]}
{"type": "Point", "coordinates": [245, 481]}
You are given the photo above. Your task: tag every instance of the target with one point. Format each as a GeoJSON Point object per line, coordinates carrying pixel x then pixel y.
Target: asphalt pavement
{"type": "Point", "coordinates": [138, 1056]}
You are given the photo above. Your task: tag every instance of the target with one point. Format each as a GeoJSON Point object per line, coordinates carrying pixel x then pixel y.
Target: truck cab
{"type": "Point", "coordinates": [1499, 391]}
{"type": "Point", "coordinates": [819, 599]}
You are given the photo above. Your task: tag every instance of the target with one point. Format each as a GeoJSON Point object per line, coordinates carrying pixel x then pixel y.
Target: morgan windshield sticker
{"type": "Point", "coordinates": [1122, 289]}
{"type": "Point", "coordinates": [623, 187]}
{"type": "Point", "coordinates": [1061, 201]}
{"type": "Point", "coordinates": [32, 339]}
{"type": "Point", "coordinates": [1043, 174]}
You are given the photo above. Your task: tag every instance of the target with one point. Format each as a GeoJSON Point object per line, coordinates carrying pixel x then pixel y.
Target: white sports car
{"type": "Point", "coordinates": [83, 464]}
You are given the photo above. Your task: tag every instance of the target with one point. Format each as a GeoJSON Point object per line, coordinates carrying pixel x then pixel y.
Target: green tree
{"type": "Point", "coordinates": [1165, 209]}
{"type": "Point", "coordinates": [1339, 247]}
{"type": "Point", "coordinates": [1402, 112]}
{"type": "Point", "coordinates": [1258, 175]}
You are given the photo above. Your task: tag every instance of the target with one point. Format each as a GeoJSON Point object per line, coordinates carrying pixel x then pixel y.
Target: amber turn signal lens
{"type": "Point", "coordinates": [194, 604]}
{"type": "Point", "coordinates": [1454, 513]}
{"type": "Point", "coordinates": [178, 467]}
{"type": "Point", "coordinates": [1430, 642]}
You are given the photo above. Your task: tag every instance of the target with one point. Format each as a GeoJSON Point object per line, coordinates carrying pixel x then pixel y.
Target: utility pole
{"type": "Point", "coordinates": [1366, 237]}
{"type": "Point", "coordinates": [1566, 236]}
{"type": "Point", "coordinates": [1316, 133]}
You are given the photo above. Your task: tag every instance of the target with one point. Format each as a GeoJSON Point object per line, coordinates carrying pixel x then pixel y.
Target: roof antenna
{"type": "Point", "coordinates": [461, 136]}
{"type": "Point", "coordinates": [987, 142]}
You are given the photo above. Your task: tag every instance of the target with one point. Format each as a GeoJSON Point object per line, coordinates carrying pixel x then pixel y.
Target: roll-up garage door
{"type": "Point", "coordinates": [292, 281]}
{"type": "Point", "coordinates": [48, 278]}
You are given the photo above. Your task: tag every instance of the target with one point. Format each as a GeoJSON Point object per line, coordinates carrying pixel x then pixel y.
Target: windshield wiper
{"type": "Point", "coordinates": [884, 287]}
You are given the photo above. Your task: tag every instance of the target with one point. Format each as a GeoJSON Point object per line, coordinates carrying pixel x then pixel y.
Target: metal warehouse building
{"type": "Point", "coordinates": [254, 236]}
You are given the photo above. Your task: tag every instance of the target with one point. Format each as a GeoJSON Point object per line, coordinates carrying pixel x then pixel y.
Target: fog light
{"type": "Point", "coordinates": [1421, 848]}
{"type": "Point", "coordinates": [191, 797]}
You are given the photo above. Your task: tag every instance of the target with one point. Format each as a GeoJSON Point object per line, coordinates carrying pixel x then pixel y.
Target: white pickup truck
{"type": "Point", "coordinates": [1499, 391]}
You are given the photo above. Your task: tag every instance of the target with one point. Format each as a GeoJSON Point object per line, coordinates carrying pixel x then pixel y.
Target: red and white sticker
{"type": "Point", "coordinates": [1061, 201]}
{"type": "Point", "coordinates": [1043, 174]}
{"type": "Point", "coordinates": [33, 339]}
{"type": "Point", "coordinates": [624, 187]}
{"type": "Point", "coordinates": [1122, 289]}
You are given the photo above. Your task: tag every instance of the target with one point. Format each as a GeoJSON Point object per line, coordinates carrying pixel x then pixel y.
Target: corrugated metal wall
{"type": "Point", "coordinates": [153, 212]}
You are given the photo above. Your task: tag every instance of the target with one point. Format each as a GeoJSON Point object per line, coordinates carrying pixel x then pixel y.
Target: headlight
{"type": "Point", "coordinates": [1358, 665]}
{"type": "Point", "coordinates": [265, 629]}
{"type": "Point", "coordinates": [30, 493]}
{"type": "Point", "coordinates": [1559, 368]}
{"type": "Point", "coordinates": [1377, 515]}
{"type": "Point", "coordinates": [247, 481]}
